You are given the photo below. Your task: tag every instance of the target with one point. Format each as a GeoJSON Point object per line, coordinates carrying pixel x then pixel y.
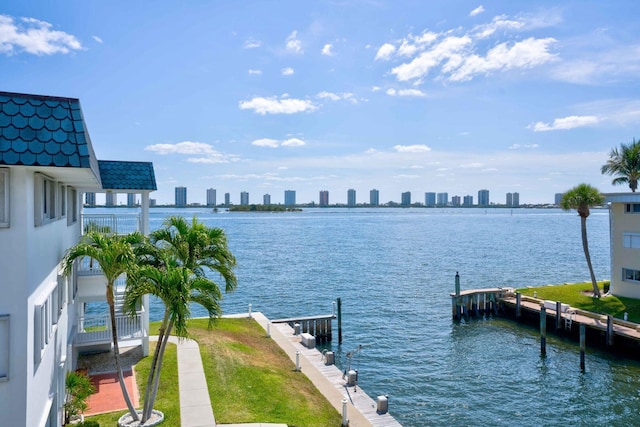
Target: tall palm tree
{"type": "Point", "coordinates": [177, 287]}
{"type": "Point", "coordinates": [197, 247]}
{"type": "Point", "coordinates": [116, 257]}
{"type": "Point", "coordinates": [582, 197]}
{"type": "Point", "coordinates": [624, 163]}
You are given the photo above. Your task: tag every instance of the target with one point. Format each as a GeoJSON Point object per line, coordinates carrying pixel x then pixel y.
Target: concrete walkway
{"type": "Point", "coordinates": [195, 404]}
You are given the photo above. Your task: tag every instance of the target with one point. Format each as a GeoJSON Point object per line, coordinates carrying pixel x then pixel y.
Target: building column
{"type": "Point", "coordinates": [144, 213]}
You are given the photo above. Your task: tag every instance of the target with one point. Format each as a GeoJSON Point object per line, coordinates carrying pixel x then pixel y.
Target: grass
{"type": "Point", "coordinates": [168, 400]}
{"type": "Point", "coordinates": [250, 380]}
{"type": "Point", "coordinates": [576, 295]}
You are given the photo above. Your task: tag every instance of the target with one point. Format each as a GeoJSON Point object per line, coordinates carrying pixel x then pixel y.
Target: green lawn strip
{"type": "Point", "coordinates": [574, 295]}
{"type": "Point", "coordinates": [168, 400]}
{"type": "Point", "coordinates": [252, 380]}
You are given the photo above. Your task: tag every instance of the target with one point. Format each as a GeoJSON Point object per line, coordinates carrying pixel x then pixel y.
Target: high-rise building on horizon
{"type": "Point", "coordinates": [351, 197]}
{"type": "Point", "coordinates": [153, 203]}
{"type": "Point", "coordinates": [244, 198]}
{"type": "Point", "coordinates": [227, 199]}
{"type": "Point", "coordinates": [483, 198]}
{"type": "Point", "coordinates": [429, 199]}
{"type": "Point", "coordinates": [558, 198]}
{"type": "Point", "coordinates": [181, 196]}
{"type": "Point", "coordinates": [266, 199]}
{"type": "Point", "coordinates": [289, 197]}
{"type": "Point", "coordinates": [131, 199]}
{"type": "Point", "coordinates": [405, 198]}
{"type": "Point", "coordinates": [374, 197]}
{"type": "Point", "coordinates": [90, 199]}
{"type": "Point", "coordinates": [467, 201]}
{"type": "Point", "coordinates": [324, 198]}
{"type": "Point", "coordinates": [442, 199]}
{"type": "Point", "coordinates": [211, 197]}
{"type": "Point", "coordinates": [456, 201]}
{"type": "Point", "coordinates": [111, 199]}
{"type": "Point", "coordinates": [513, 200]}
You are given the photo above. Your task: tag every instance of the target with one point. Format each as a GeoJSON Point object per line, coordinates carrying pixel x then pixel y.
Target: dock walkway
{"type": "Point", "coordinates": [361, 409]}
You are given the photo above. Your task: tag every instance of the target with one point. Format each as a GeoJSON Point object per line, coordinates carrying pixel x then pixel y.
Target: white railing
{"type": "Point", "coordinates": [96, 329]}
{"type": "Point", "coordinates": [111, 223]}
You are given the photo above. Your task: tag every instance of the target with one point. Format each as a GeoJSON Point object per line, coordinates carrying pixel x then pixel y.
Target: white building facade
{"type": "Point", "coordinates": [624, 229]}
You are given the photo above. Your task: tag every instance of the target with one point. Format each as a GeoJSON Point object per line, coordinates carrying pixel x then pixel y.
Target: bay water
{"type": "Point", "coordinates": [394, 270]}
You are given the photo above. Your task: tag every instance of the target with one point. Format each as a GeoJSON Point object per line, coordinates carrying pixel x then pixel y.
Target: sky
{"type": "Point", "coordinates": [264, 96]}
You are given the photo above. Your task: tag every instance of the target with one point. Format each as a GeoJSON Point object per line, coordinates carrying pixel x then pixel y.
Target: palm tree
{"type": "Point", "coordinates": [624, 164]}
{"type": "Point", "coordinates": [176, 286]}
{"type": "Point", "coordinates": [197, 247]}
{"type": "Point", "coordinates": [582, 197]}
{"type": "Point", "coordinates": [115, 256]}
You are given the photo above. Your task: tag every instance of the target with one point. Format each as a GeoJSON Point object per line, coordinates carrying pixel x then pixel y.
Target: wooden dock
{"type": "Point", "coordinates": [477, 301]}
{"type": "Point", "coordinates": [318, 326]}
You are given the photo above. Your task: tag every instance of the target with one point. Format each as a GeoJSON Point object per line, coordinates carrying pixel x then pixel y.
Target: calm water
{"type": "Point", "coordinates": [394, 270]}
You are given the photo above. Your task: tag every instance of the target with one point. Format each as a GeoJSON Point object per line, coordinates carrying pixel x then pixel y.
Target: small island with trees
{"type": "Point", "coordinates": [263, 208]}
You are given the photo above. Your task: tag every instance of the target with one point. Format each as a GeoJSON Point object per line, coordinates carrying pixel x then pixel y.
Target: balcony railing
{"type": "Point", "coordinates": [97, 329]}
{"type": "Point", "coordinates": [111, 223]}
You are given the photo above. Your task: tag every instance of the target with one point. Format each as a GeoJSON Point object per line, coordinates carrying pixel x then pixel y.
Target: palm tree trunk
{"type": "Point", "coordinates": [116, 352]}
{"type": "Point", "coordinates": [585, 246]}
{"type": "Point", "coordinates": [160, 360]}
{"type": "Point", "coordinates": [148, 403]}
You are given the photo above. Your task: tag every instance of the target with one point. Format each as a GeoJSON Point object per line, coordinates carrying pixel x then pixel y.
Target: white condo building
{"type": "Point", "coordinates": [46, 164]}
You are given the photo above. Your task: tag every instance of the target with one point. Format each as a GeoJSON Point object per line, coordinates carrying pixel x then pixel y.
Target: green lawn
{"type": "Point", "coordinates": [168, 394]}
{"type": "Point", "coordinates": [576, 295]}
{"type": "Point", "coordinates": [250, 380]}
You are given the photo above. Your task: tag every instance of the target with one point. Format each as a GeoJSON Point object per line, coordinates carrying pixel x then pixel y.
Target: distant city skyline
{"type": "Point", "coordinates": [526, 97]}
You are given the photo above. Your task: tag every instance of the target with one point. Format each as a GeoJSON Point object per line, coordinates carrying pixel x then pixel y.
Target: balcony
{"type": "Point", "coordinates": [96, 329]}
{"type": "Point", "coordinates": [111, 223]}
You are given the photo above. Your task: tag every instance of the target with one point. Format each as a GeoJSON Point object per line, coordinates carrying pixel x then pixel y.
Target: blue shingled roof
{"type": "Point", "coordinates": [117, 175]}
{"type": "Point", "coordinates": [40, 130]}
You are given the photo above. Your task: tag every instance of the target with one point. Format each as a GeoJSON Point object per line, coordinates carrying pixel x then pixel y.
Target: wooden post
{"type": "Point", "coordinates": [477, 313]}
{"type": "Point", "coordinates": [543, 331]}
{"type": "Point", "coordinates": [339, 321]}
{"type": "Point", "coordinates": [458, 305]}
{"type": "Point", "coordinates": [558, 315]}
{"type": "Point", "coordinates": [583, 339]}
{"type": "Point", "coordinates": [329, 325]}
{"type": "Point", "coordinates": [518, 308]}
{"type": "Point", "coordinates": [609, 330]}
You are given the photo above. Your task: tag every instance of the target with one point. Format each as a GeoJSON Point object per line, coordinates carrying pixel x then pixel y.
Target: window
{"type": "Point", "coordinates": [62, 191]}
{"type": "Point", "coordinates": [629, 275]}
{"type": "Point", "coordinates": [633, 208]}
{"type": "Point", "coordinates": [46, 316]}
{"type": "Point", "coordinates": [4, 197]}
{"type": "Point", "coordinates": [631, 240]}
{"type": "Point", "coordinates": [4, 347]}
{"type": "Point", "coordinates": [46, 199]}
{"type": "Point", "coordinates": [72, 205]}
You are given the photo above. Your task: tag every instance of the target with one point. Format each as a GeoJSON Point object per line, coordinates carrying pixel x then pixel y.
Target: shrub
{"type": "Point", "coordinates": [606, 287]}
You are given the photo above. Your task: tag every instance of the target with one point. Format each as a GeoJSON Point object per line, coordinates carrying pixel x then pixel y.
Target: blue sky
{"type": "Point", "coordinates": [420, 96]}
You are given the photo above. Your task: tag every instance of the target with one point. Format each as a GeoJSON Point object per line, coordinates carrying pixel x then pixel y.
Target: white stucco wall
{"type": "Point", "coordinates": [29, 267]}
{"type": "Point", "coordinates": [621, 257]}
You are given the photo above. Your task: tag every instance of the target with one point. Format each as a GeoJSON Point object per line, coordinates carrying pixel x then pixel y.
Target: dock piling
{"type": "Point", "coordinates": [583, 339]}
{"type": "Point", "coordinates": [558, 315]}
{"type": "Point", "coordinates": [543, 331]}
{"type": "Point", "coordinates": [609, 330]}
{"type": "Point", "coordinates": [518, 307]}
{"type": "Point", "coordinates": [339, 321]}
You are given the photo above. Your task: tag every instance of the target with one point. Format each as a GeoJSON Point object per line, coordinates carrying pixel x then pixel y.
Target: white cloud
{"type": "Point", "coordinates": [449, 49]}
{"type": "Point", "coordinates": [293, 44]}
{"type": "Point", "coordinates": [287, 71]}
{"type": "Point", "coordinates": [210, 155]}
{"type": "Point", "coordinates": [266, 142]}
{"type": "Point", "coordinates": [273, 105]}
{"type": "Point", "coordinates": [33, 36]}
{"type": "Point", "coordinates": [477, 11]}
{"type": "Point", "coordinates": [523, 54]}
{"type": "Point", "coordinates": [416, 148]}
{"type": "Point", "coordinates": [274, 143]}
{"type": "Point", "coordinates": [518, 146]}
{"type": "Point", "coordinates": [346, 96]}
{"type": "Point", "coordinates": [326, 49]}
{"type": "Point", "coordinates": [498, 23]}
{"type": "Point", "coordinates": [375, 88]}
{"type": "Point", "coordinates": [97, 39]}
{"type": "Point", "coordinates": [406, 92]}
{"type": "Point", "coordinates": [255, 72]}
{"type": "Point", "coordinates": [385, 52]}
{"type": "Point", "coordinates": [569, 122]}
{"type": "Point", "coordinates": [471, 165]}
{"type": "Point", "coordinates": [252, 44]}
{"type": "Point", "coordinates": [329, 95]}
